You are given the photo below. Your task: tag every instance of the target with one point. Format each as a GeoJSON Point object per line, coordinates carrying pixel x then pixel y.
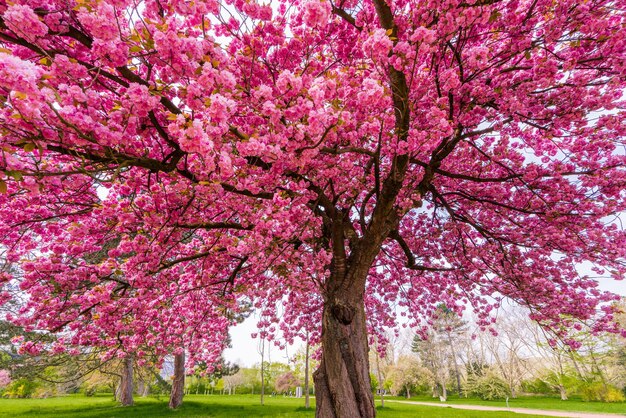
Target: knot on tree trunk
{"type": "Point", "coordinates": [343, 313]}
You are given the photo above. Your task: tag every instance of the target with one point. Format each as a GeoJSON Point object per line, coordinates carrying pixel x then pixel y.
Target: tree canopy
{"type": "Point", "coordinates": [318, 160]}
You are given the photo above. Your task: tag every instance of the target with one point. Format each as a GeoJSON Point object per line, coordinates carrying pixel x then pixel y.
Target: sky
{"type": "Point", "coordinates": [246, 351]}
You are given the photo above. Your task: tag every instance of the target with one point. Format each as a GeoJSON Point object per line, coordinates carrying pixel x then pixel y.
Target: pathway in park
{"type": "Point", "coordinates": [526, 411]}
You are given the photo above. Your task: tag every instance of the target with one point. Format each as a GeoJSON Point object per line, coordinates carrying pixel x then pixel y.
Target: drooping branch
{"type": "Point", "coordinates": [346, 16]}
{"type": "Point", "coordinates": [410, 256]}
{"type": "Point", "coordinates": [215, 225]}
{"type": "Point", "coordinates": [167, 264]}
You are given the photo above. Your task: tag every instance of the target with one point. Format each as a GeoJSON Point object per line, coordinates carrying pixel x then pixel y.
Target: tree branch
{"type": "Point", "coordinates": [215, 225]}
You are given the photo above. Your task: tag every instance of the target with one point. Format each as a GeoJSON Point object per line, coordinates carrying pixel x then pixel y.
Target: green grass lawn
{"type": "Point", "coordinates": [535, 402]}
{"type": "Point", "coordinates": [196, 406]}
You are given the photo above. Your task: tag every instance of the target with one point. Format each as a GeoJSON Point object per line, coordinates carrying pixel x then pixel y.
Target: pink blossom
{"type": "Point", "coordinates": [5, 378]}
{"type": "Point", "coordinates": [17, 74]}
{"type": "Point", "coordinates": [422, 34]}
{"type": "Point", "coordinates": [101, 21]}
{"type": "Point", "coordinates": [23, 21]}
{"type": "Point", "coordinates": [316, 12]}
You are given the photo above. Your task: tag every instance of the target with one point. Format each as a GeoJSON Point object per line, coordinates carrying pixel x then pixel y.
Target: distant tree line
{"type": "Point", "coordinates": [454, 356]}
{"type": "Point", "coordinates": [516, 357]}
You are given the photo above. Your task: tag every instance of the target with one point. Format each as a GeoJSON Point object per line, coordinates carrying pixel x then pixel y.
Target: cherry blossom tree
{"type": "Point", "coordinates": [285, 382]}
{"type": "Point", "coordinates": [5, 378]}
{"type": "Point", "coordinates": [319, 160]}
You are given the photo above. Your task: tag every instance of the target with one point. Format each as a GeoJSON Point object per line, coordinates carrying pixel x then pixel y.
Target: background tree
{"type": "Point", "coordinates": [5, 378]}
{"type": "Point", "coordinates": [438, 350]}
{"type": "Point", "coordinates": [233, 381]}
{"type": "Point", "coordinates": [252, 379]}
{"type": "Point", "coordinates": [506, 349]}
{"type": "Point", "coordinates": [433, 353]}
{"type": "Point", "coordinates": [286, 382]}
{"type": "Point", "coordinates": [618, 345]}
{"type": "Point", "coordinates": [303, 363]}
{"type": "Point", "coordinates": [408, 376]}
{"type": "Point", "coordinates": [452, 328]}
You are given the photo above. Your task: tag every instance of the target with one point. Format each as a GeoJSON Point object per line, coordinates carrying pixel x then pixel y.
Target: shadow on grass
{"type": "Point", "coordinates": [303, 409]}
{"type": "Point", "coordinates": [155, 409]}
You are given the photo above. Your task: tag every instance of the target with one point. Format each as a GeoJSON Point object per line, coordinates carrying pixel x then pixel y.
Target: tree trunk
{"type": "Point", "coordinates": [444, 393]}
{"type": "Point", "coordinates": [458, 378]}
{"type": "Point", "coordinates": [408, 394]}
{"type": "Point", "coordinates": [456, 366]}
{"type": "Point", "coordinates": [178, 384]}
{"type": "Point", "coordinates": [307, 401]}
{"type": "Point", "coordinates": [381, 388]}
{"type": "Point", "coordinates": [262, 371]}
{"type": "Point", "coordinates": [125, 389]}
{"type": "Point", "coordinates": [140, 387]}
{"type": "Point", "coordinates": [563, 393]}
{"type": "Point", "coordinates": [342, 381]}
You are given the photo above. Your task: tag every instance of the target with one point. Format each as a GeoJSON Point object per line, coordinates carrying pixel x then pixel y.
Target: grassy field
{"type": "Point", "coordinates": [196, 406]}
{"type": "Point", "coordinates": [536, 402]}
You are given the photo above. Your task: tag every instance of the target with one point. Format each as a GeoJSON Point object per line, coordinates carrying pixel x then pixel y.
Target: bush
{"type": "Point", "coordinates": [537, 386]}
{"type": "Point", "coordinates": [598, 391]}
{"type": "Point", "coordinates": [5, 378]}
{"type": "Point", "coordinates": [614, 395]}
{"type": "Point", "coordinates": [488, 388]}
{"type": "Point", "coordinates": [44, 392]}
{"type": "Point", "coordinates": [373, 382]}
{"type": "Point", "coordinates": [419, 389]}
{"type": "Point", "coordinates": [21, 388]}
{"type": "Point", "coordinates": [158, 389]}
{"type": "Point", "coordinates": [90, 390]}
{"type": "Point", "coordinates": [202, 387]}
{"type": "Point", "coordinates": [93, 387]}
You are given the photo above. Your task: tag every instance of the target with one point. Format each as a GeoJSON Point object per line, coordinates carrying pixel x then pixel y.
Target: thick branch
{"type": "Point", "coordinates": [216, 225]}
{"type": "Point", "coordinates": [411, 262]}
{"type": "Point", "coordinates": [346, 16]}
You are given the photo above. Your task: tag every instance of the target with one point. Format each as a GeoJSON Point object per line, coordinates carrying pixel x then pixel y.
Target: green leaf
{"type": "Point", "coordinates": [16, 174]}
{"type": "Point", "coordinates": [3, 186]}
{"type": "Point", "coordinates": [29, 147]}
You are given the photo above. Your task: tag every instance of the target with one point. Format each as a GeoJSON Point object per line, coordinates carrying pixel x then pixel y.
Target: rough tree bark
{"type": "Point", "coordinates": [342, 382]}
{"type": "Point", "coordinates": [178, 384]}
{"type": "Point", "coordinates": [125, 388]}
